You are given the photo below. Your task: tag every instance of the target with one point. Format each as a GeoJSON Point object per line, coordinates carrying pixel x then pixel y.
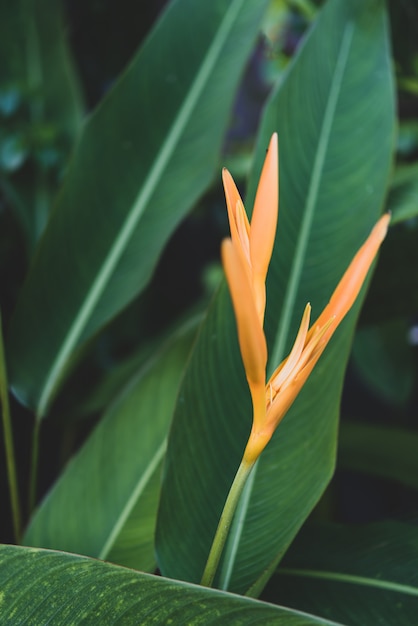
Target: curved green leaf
{"type": "Point", "coordinates": [364, 575]}
{"type": "Point", "coordinates": [332, 187]}
{"type": "Point", "coordinates": [43, 587]}
{"type": "Point", "coordinates": [105, 502]}
{"type": "Point", "coordinates": [383, 451]}
{"type": "Point", "coordinates": [145, 156]}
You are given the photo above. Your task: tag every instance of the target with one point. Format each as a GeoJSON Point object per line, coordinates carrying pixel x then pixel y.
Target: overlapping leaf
{"type": "Point", "coordinates": [104, 504]}
{"type": "Point", "coordinates": [333, 181]}
{"type": "Point", "coordinates": [145, 155]}
{"type": "Point", "coordinates": [43, 587]}
{"type": "Point", "coordinates": [362, 575]}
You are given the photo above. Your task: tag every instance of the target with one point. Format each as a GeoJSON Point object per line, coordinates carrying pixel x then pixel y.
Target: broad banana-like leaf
{"type": "Point", "coordinates": [334, 114]}
{"type": "Point", "coordinates": [45, 587]}
{"type": "Point", "coordinates": [361, 575]}
{"type": "Point", "coordinates": [104, 504]}
{"type": "Point", "coordinates": [145, 156]}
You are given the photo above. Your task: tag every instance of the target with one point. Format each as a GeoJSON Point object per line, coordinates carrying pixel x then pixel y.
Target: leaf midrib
{"type": "Point", "coordinates": [162, 158]}
{"type": "Point", "coordinates": [233, 543]}
{"type": "Point", "coordinates": [352, 579]}
{"type": "Point", "coordinates": [125, 512]}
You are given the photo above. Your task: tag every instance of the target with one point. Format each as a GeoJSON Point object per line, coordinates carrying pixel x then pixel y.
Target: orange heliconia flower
{"type": "Point", "coordinates": [245, 257]}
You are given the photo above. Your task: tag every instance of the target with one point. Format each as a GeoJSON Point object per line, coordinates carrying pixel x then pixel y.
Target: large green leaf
{"type": "Point", "coordinates": [145, 155]}
{"type": "Point", "coordinates": [105, 502]}
{"type": "Point", "coordinates": [377, 450]}
{"type": "Point", "coordinates": [333, 182]}
{"type": "Point", "coordinates": [362, 575]}
{"type": "Point", "coordinates": [43, 587]}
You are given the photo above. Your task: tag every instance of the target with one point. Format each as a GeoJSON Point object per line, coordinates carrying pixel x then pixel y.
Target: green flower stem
{"type": "Point", "coordinates": [8, 444]}
{"type": "Point", "coordinates": [225, 522]}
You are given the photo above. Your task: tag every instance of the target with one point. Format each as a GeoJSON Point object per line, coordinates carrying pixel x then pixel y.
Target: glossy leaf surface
{"type": "Point", "coordinates": [104, 504]}
{"type": "Point", "coordinates": [146, 154]}
{"type": "Point", "coordinates": [362, 575]}
{"type": "Point", "coordinates": [332, 188]}
{"type": "Point", "coordinates": [41, 587]}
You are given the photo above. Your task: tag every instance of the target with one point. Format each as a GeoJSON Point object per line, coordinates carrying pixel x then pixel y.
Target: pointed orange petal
{"type": "Point", "coordinates": [243, 242]}
{"type": "Point", "coordinates": [284, 400]}
{"type": "Point", "coordinates": [295, 382]}
{"type": "Point", "coordinates": [238, 220]}
{"type": "Point", "coordinates": [292, 387]}
{"type": "Point", "coordinates": [264, 217]}
{"type": "Point", "coordinates": [314, 347]}
{"type": "Point", "coordinates": [349, 286]}
{"type": "Point", "coordinates": [251, 337]}
{"type": "Point", "coordinates": [280, 375]}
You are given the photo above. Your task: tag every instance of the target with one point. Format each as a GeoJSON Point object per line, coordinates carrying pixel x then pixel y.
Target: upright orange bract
{"type": "Point", "coordinates": [246, 257]}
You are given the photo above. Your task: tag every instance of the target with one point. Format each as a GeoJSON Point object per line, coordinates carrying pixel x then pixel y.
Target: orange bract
{"type": "Point", "coordinates": [245, 258]}
{"type": "Point", "coordinates": [254, 244]}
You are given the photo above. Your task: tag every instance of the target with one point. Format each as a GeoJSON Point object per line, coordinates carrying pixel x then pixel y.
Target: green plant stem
{"type": "Point", "coordinates": [225, 522]}
{"type": "Point", "coordinates": [33, 475]}
{"type": "Point", "coordinates": [8, 443]}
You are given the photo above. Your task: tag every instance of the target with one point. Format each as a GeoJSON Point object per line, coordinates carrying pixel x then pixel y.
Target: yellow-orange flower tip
{"type": "Point", "coordinates": [265, 213]}
{"type": "Point", "coordinates": [237, 217]}
{"type": "Point", "coordinates": [255, 242]}
{"type": "Point", "coordinates": [352, 281]}
{"type": "Point", "coordinates": [287, 366]}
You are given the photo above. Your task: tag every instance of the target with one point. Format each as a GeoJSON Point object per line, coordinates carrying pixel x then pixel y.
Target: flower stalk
{"type": "Point", "coordinates": [225, 522]}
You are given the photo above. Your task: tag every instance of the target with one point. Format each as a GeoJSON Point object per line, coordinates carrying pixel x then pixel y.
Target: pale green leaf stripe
{"type": "Point", "coordinates": [131, 502]}
{"type": "Point", "coordinates": [285, 319]}
{"type": "Point", "coordinates": [325, 133]}
{"type": "Point", "coordinates": [387, 585]}
{"type": "Point", "coordinates": [121, 241]}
